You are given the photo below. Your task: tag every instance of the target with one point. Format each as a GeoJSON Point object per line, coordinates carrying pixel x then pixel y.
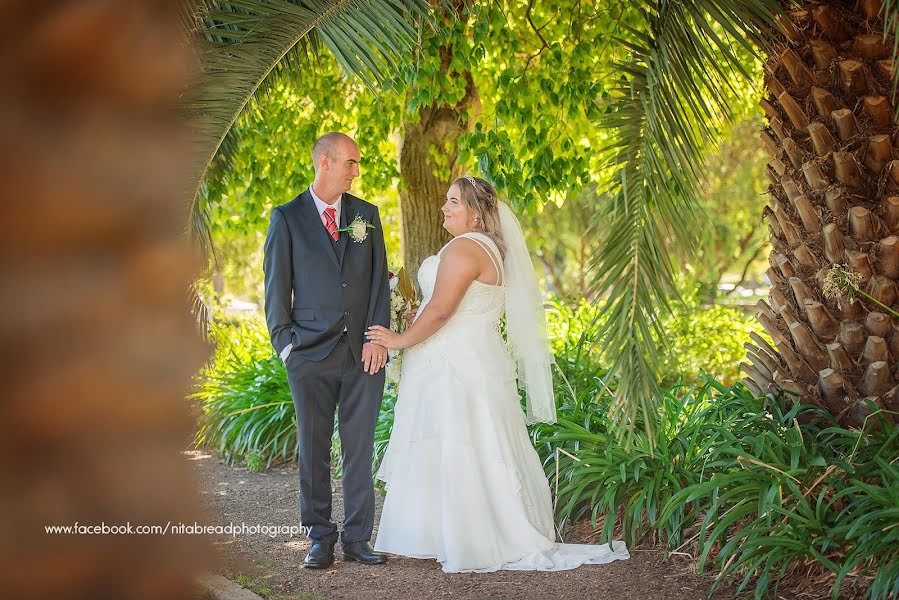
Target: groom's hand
{"type": "Point", "coordinates": [374, 356]}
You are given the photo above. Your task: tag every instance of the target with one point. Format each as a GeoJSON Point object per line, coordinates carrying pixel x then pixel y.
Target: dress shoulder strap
{"type": "Point", "coordinates": [492, 251]}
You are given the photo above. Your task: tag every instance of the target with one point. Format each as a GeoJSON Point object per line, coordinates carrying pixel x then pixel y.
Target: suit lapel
{"type": "Point", "coordinates": [345, 207]}
{"type": "Point", "coordinates": [313, 221]}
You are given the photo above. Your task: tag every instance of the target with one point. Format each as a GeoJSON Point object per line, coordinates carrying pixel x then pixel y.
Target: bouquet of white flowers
{"type": "Point", "coordinates": [403, 300]}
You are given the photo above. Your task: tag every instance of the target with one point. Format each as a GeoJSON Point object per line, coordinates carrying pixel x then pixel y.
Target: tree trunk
{"type": "Point", "coordinates": [829, 82]}
{"type": "Point", "coordinates": [435, 129]}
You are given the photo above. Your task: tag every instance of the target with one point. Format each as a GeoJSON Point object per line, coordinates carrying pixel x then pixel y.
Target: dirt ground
{"type": "Point", "coordinates": [272, 567]}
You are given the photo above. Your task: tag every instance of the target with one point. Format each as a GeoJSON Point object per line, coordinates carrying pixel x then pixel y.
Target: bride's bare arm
{"type": "Point", "coordinates": [459, 266]}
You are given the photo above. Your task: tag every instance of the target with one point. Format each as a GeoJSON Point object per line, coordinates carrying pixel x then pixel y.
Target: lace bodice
{"type": "Point", "coordinates": [481, 299]}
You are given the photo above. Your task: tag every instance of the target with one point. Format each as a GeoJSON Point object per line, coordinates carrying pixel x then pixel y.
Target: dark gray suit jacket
{"type": "Point", "coordinates": [315, 287]}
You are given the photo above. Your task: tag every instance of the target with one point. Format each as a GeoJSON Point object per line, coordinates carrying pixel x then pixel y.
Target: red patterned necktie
{"type": "Point", "coordinates": [331, 222]}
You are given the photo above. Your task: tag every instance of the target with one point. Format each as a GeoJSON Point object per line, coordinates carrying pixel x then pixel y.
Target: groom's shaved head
{"type": "Point", "coordinates": [329, 144]}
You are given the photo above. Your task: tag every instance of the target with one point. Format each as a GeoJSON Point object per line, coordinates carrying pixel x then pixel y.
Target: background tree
{"type": "Point", "coordinates": [431, 127]}
{"type": "Point", "coordinates": [563, 238]}
{"type": "Point", "coordinates": [243, 48]}
{"type": "Point", "coordinates": [494, 91]}
{"type": "Point", "coordinates": [733, 237]}
{"type": "Point", "coordinates": [498, 48]}
{"type": "Point", "coordinates": [610, 94]}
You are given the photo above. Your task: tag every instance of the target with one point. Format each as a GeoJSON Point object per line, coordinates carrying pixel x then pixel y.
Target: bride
{"type": "Point", "coordinates": [464, 484]}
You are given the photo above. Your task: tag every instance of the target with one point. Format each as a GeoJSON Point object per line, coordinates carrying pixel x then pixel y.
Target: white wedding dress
{"type": "Point", "coordinates": [464, 484]}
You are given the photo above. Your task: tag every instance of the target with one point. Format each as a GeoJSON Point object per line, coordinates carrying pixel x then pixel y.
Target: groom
{"type": "Point", "coordinates": [323, 289]}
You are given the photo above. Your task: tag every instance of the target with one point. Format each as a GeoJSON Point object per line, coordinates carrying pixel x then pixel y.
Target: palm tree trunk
{"type": "Point", "coordinates": [99, 346]}
{"type": "Point", "coordinates": [833, 199]}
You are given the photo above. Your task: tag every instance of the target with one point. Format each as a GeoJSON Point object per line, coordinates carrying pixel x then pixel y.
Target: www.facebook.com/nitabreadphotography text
{"type": "Point", "coordinates": [170, 528]}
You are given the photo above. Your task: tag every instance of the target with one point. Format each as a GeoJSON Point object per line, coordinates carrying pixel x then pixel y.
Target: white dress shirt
{"type": "Point", "coordinates": [320, 205]}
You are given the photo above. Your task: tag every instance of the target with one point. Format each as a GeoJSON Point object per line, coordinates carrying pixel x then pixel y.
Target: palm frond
{"type": "Point", "coordinates": [890, 13]}
{"type": "Point", "coordinates": [667, 110]}
{"type": "Point", "coordinates": [199, 310]}
{"type": "Point", "coordinates": [242, 45]}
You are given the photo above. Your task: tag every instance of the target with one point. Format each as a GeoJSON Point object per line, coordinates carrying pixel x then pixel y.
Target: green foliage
{"type": "Point", "coordinates": [254, 460]}
{"type": "Point", "coordinates": [890, 14]}
{"type": "Point", "coordinates": [248, 413]}
{"type": "Point", "coordinates": [271, 163]}
{"type": "Point", "coordinates": [244, 46]}
{"type": "Point", "coordinates": [525, 101]}
{"type": "Point", "coordinates": [706, 341]}
{"type": "Point", "coordinates": [729, 473]}
{"type": "Point", "coordinates": [272, 160]}
{"type": "Point", "coordinates": [247, 410]}
{"type": "Point", "coordinates": [254, 583]}
{"type": "Point", "coordinates": [562, 237]}
{"type": "Point", "coordinates": [542, 71]}
{"type": "Point", "coordinates": [736, 475]}
{"type": "Point", "coordinates": [732, 234]}
{"type": "Point", "coordinates": [385, 423]}
{"type": "Point", "coordinates": [536, 133]}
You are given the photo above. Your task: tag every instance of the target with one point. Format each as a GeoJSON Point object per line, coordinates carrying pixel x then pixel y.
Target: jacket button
{"type": "Point", "coordinates": [343, 284]}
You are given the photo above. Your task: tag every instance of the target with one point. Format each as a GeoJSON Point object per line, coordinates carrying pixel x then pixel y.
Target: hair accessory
{"type": "Point", "coordinates": [470, 179]}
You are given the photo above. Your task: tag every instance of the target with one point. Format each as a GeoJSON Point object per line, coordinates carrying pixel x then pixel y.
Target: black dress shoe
{"type": "Point", "coordinates": [362, 552]}
{"type": "Point", "coordinates": [321, 556]}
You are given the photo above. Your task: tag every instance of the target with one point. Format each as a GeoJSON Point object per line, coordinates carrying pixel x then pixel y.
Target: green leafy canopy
{"type": "Point", "coordinates": [243, 45]}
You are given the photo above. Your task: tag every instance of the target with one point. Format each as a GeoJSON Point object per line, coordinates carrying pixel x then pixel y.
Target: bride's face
{"type": "Point", "coordinates": [457, 217]}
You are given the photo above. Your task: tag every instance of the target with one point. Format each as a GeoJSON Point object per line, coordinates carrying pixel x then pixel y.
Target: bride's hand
{"type": "Point", "coordinates": [410, 316]}
{"type": "Point", "coordinates": [385, 337]}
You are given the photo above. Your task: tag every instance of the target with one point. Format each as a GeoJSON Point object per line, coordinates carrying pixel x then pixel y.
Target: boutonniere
{"type": "Point", "coordinates": [358, 229]}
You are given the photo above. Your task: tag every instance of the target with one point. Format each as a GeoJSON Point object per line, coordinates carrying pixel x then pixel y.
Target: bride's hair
{"type": "Point", "coordinates": [480, 196]}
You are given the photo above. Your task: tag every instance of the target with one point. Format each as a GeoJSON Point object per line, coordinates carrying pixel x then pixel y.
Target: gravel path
{"type": "Point", "coordinates": [273, 565]}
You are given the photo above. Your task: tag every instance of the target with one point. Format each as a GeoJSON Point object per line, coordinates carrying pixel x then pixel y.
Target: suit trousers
{"type": "Point", "coordinates": [319, 388]}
